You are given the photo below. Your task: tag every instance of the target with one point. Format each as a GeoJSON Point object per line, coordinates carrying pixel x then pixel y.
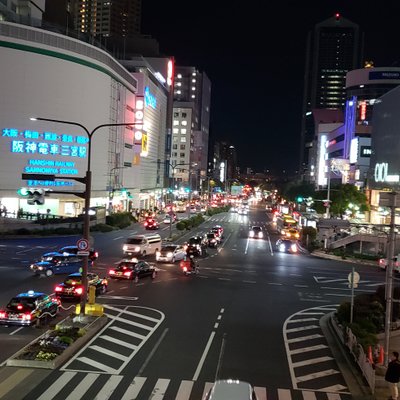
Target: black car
{"type": "Point", "coordinates": [26, 308]}
{"type": "Point", "coordinates": [196, 246]}
{"type": "Point", "coordinates": [93, 254]}
{"type": "Point", "coordinates": [287, 246]}
{"type": "Point", "coordinates": [72, 287]}
{"type": "Point", "coordinates": [132, 270]}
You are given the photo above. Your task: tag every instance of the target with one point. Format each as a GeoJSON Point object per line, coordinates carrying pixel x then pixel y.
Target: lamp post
{"type": "Point", "coordinates": [88, 188]}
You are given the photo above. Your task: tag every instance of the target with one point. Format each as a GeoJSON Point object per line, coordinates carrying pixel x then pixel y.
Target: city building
{"type": "Point", "coordinates": [89, 88]}
{"type": "Point", "coordinates": [22, 11]}
{"type": "Point", "coordinates": [333, 48]}
{"type": "Point", "coordinates": [190, 130]}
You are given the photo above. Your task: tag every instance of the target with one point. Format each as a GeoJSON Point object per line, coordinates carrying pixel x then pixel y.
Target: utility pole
{"type": "Point", "coordinates": [389, 275]}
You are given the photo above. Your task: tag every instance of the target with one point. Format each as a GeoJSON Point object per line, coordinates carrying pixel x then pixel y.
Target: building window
{"type": "Point", "coordinates": [176, 122]}
{"type": "Point", "coordinates": [127, 164]}
{"type": "Point", "coordinates": [175, 139]}
{"type": "Point", "coordinates": [178, 92]}
{"type": "Point", "coordinates": [184, 123]}
{"type": "Point", "coordinates": [194, 80]}
{"type": "Point", "coordinates": [179, 76]}
{"type": "Point", "coordinates": [183, 146]}
{"type": "Point", "coordinates": [176, 114]}
{"type": "Point", "coordinates": [183, 131]}
{"type": "Point", "coordinates": [174, 147]}
{"type": "Point", "coordinates": [175, 130]}
{"type": "Point", "coordinates": [193, 96]}
{"type": "Point", "coordinates": [193, 87]}
{"type": "Point", "coordinates": [178, 83]}
{"type": "Point", "coordinates": [184, 115]}
{"type": "Point", "coordinates": [193, 73]}
{"type": "Point", "coordinates": [182, 155]}
{"type": "Point", "coordinates": [128, 146]}
{"type": "Point", "coordinates": [174, 154]}
{"type": "Point", "coordinates": [183, 139]}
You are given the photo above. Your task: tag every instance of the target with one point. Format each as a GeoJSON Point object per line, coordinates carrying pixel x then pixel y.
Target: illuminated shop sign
{"type": "Point", "coordinates": [354, 151]}
{"type": "Point", "coordinates": [366, 151]}
{"type": "Point", "coordinates": [384, 75]}
{"type": "Point", "coordinates": [381, 174]}
{"type": "Point", "coordinates": [322, 180]}
{"type": "Point", "coordinates": [363, 110]}
{"type": "Point", "coordinates": [48, 151]}
{"type": "Point", "coordinates": [149, 98]}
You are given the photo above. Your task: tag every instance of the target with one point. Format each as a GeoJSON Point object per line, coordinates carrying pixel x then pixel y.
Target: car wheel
{"type": "Point", "coordinates": [136, 279]}
{"type": "Point", "coordinates": [49, 272]}
{"type": "Point", "coordinates": [153, 275]}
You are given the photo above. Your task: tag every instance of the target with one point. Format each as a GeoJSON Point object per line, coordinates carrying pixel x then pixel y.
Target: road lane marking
{"type": "Point", "coordinates": [207, 387]}
{"type": "Point", "coordinates": [261, 393]}
{"type": "Point", "coordinates": [249, 281]}
{"type": "Point", "coordinates": [159, 390]}
{"type": "Point", "coordinates": [108, 389]}
{"type": "Point", "coordinates": [270, 245]}
{"type": "Point", "coordinates": [303, 338]}
{"type": "Point", "coordinates": [302, 328]}
{"type": "Point", "coordinates": [185, 388]}
{"type": "Point", "coordinates": [302, 320]}
{"type": "Point", "coordinates": [308, 349]}
{"type": "Point", "coordinates": [57, 386]}
{"type": "Point", "coordinates": [309, 395]}
{"type": "Point", "coordinates": [126, 332]}
{"type": "Point", "coordinates": [315, 375]}
{"type": "Point", "coordinates": [301, 286]}
{"type": "Point", "coordinates": [17, 377]}
{"type": "Point", "coordinates": [274, 283]}
{"type": "Point", "coordinates": [334, 388]}
{"type": "Point", "coordinates": [203, 357]}
{"type": "Point", "coordinates": [17, 330]}
{"type": "Point", "coordinates": [284, 394]}
{"type": "Point", "coordinates": [82, 387]}
{"type": "Point", "coordinates": [312, 361]}
{"type": "Point", "coordinates": [119, 237]}
{"type": "Point", "coordinates": [134, 388]}
{"type": "Point", "coordinates": [247, 246]}
{"type": "Point", "coordinates": [216, 325]}
{"type": "Point", "coordinates": [108, 352]}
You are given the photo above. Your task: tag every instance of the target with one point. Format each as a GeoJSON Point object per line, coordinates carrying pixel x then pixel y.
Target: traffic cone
{"type": "Point", "coordinates": [381, 355]}
{"type": "Point", "coordinates": [371, 360]}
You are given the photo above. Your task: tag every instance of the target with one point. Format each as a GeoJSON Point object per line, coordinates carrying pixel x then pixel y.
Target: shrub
{"type": "Point", "coordinates": [102, 228]}
{"type": "Point", "coordinates": [181, 225]}
{"type": "Point", "coordinates": [120, 220]}
{"type": "Point", "coordinates": [23, 231]}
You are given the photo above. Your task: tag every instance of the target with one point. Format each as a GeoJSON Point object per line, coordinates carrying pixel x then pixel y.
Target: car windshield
{"type": "Point", "coordinates": [168, 248]}
{"type": "Point", "coordinates": [73, 281]}
{"type": "Point", "coordinates": [134, 241]}
{"type": "Point", "coordinates": [194, 240]}
{"type": "Point", "coordinates": [26, 303]}
{"type": "Point", "coordinates": [125, 265]}
{"type": "Point", "coordinates": [210, 236]}
{"type": "Point", "coordinates": [256, 228]}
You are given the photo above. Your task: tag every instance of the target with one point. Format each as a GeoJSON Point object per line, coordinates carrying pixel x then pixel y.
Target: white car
{"type": "Point", "coordinates": [231, 389]}
{"type": "Point", "coordinates": [256, 232]}
{"type": "Point", "coordinates": [243, 211]}
{"type": "Point", "coordinates": [167, 219]}
{"type": "Point", "coordinates": [383, 263]}
{"type": "Point", "coordinates": [171, 253]}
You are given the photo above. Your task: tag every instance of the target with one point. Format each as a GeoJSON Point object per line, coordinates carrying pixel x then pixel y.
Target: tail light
{"type": "Point", "coordinates": [58, 289]}
{"type": "Point", "coordinates": [111, 272]}
{"type": "Point", "coordinates": [145, 224]}
{"type": "Point", "coordinates": [20, 307]}
{"type": "Point", "coordinates": [184, 269]}
{"type": "Point", "coordinates": [293, 248]}
{"type": "Point", "coordinates": [3, 315]}
{"type": "Point", "coordinates": [26, 317]}
{"type": "Point", "coordinates": [96, 254]}
{"type": "Point", "coordinates": [104, 281]}
{"type": "Point", "coordinates": [78, 290]}
{"type": "Point", "coordinates": [128, 273]}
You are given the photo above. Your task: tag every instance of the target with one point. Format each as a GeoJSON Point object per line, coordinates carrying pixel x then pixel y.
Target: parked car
{"type": "Point", "coordinates": [26, 308]}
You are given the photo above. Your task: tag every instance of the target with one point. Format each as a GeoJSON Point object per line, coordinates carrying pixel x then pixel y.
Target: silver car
{"type": "Point", "coordinates": [171, 253]}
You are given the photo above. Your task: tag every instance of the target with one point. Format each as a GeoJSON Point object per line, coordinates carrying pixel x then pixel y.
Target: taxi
{"type": "Point", "coordinates": [290, 233]}
{"type": "Point", "coordinates": [25, 308]}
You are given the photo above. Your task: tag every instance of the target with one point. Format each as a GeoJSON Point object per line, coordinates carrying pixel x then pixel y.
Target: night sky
{"type": "Point", "coordinates": [254, 53]}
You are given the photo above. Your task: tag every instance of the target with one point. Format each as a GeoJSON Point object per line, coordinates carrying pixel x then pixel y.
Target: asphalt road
{"type": "Point", "coordinates": [251, 314]}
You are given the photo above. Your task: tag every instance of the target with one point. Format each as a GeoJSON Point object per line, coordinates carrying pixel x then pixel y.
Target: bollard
{"type": "Point", "coordinates": [371, 360]}
{"type": "Point", "coordinates": [381, 355]}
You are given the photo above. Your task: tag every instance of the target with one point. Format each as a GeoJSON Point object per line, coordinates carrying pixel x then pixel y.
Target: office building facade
{"type": "Point", "coordinates": [334, 47]}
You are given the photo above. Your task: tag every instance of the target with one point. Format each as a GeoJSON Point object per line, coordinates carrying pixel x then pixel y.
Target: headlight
{"type": "Point", "coordinates": [169, 254]}
{"type": "Point", "coordinates": [41, 268]}
{"type": "Point", "coordinates": [283, 232]}
{"type": "Point", "coordinates": [260, 234]}
{"type": "Point", "coordinates": [293, 247]}
{"type": "Point", "coordinates": [32, 266]}
{"type": "Point", "coordinates": [137, 248]}
{"type": "Point", "coordinates": [282, 247]}
{"type": "Point", "coordinates": [251, 234]}
{"type": "Point", "coordinates": [297, 235]}
{"type": "Point", "coordinates": [124, 247]}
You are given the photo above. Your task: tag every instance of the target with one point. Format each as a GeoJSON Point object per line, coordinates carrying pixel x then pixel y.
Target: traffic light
{"type": "Point", "coordinates": [35, 196]}
{"type": "Point", "coordinates": [299, 199]}
{"type": "Point", "coordinates": [327, 203]}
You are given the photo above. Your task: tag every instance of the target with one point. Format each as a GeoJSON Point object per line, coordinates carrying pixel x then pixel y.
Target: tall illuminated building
{"type": "Point", "coordinates": [108, 18]}
{"type": "Point", "coordinates": [334, 47]}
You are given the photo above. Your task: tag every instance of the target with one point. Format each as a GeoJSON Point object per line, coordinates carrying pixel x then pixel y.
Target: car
{"type": "Point", "coordinates": [151, 223]}
{"type": "Point", "coordinates": [68, 264]}
{"type": "Point", "coordinates": [196, 245]}
{"type": "Point", "coordinates": [231, 389]}
{"type": "Point", "coordinates": [169, 219]}
{"type": "Point", "coordinates": [93, 254]}
{"type": "Point", "coordinates": [194, 210]}
{"type": "Point", "coordinates": [72, 287]}
{"type": "Point", "coordinates": [132, 269]}
{"type": "Point", "coordinates": [219, 228]}
{"type": "Point", "coordinates": [290, 233]}
{"type": "Point", "coordinates": [287, 246]}
{"type": "Point", "coordinates": [242, 211]}
{"type": "Point", "coordinates": [212, 239]}
{"type": "Point", "coordinates": [171, 253]}
{"type": "Point", "coordinates": [256, 232]}
{"type": "Point", "coordinates": [383, 263]}
{"type": "Point", "coordinates": [26, 308]}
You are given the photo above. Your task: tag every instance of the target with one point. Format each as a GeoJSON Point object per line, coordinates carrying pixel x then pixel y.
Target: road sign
{"type": "Point", "coordinates": [356, 278]}
{"type": "Point", "coordinates": [82, 245]}
{"type": "Point", "coordinates": [83, 253]}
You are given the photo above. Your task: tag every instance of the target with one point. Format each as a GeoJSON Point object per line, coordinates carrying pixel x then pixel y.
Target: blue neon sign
{"type": "Point", "coordinates": [149, 99]}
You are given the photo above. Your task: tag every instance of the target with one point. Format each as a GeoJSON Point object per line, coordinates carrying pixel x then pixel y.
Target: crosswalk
{"type": "Point", "coordinates": [72, 385]}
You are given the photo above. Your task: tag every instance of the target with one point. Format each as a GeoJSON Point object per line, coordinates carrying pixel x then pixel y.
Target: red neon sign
{"type": "Point", "coordinates": [363, 110]}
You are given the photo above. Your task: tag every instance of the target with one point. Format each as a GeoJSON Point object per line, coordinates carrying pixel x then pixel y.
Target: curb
{"type": "Point", "coordinates": [337, 258]}
{"type": "Point", "coordinates": [352, 376]}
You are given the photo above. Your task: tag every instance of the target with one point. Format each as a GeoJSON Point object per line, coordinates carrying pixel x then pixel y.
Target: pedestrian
{"type": "Point", "coordinates": [392, 375]}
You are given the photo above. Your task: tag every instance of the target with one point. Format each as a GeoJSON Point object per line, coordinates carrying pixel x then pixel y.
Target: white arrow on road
{"type": "Point", "coordinates": [118, 297]}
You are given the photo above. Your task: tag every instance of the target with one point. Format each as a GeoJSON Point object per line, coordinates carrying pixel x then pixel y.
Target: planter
{"type": "Point", "coordinates": [91, 326]}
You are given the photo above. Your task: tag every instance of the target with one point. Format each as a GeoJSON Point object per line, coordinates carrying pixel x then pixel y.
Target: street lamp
{"type": "Point", "coordinates": [88, 188]}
